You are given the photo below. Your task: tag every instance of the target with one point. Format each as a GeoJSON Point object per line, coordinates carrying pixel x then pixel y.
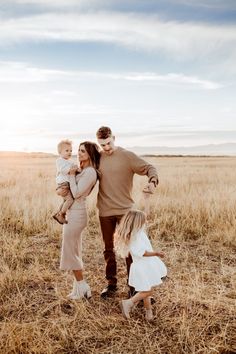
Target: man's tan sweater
{"type": "Point", "coordinates": [116, 180]}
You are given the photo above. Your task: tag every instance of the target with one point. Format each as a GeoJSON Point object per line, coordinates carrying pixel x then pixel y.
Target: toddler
{"type": "Point", "coordinates": [146, 270]}
{"type": "Point", "coordinates": [64, 166]}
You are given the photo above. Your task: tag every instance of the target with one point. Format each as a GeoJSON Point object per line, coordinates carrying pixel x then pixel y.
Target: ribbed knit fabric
{"type": "Point", "coordinates": [116, 180]}
{"type": "Point", "coordinates": [71, 252]}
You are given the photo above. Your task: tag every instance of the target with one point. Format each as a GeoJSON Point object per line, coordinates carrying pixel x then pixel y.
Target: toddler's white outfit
{"type": "Point", "coordinates": [145, 272]}
{"type": "Point", "coordinates": [63, 167]}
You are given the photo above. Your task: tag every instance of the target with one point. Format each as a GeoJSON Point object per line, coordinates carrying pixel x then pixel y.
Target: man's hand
{"type": "Point", "coordinates": [149, 188]}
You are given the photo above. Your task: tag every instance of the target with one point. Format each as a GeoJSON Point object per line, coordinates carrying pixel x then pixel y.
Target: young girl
{"type": "Point", "coordinates": [147, 270]}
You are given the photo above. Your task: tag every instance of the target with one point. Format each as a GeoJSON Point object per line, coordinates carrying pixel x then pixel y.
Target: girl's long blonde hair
{"type": "Point", "coordinates": [129, 225]}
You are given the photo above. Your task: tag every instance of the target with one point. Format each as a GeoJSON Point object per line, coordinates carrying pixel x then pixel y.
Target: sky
{"type": "Point", "coordinates": [158, 72]}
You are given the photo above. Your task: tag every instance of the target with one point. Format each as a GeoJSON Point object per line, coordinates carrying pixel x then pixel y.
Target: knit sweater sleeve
{"type": "Point", "coordinates": [142, 167]}
{"type": "Point", "coordinates": [85, 183]}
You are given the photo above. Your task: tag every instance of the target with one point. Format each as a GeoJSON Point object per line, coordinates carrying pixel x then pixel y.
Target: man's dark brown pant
{"type": "Point", "coordinates": [108, 225]}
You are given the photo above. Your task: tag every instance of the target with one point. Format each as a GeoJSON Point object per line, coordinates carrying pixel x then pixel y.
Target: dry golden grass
{"type": "Point", "coordinates": [193, 220]}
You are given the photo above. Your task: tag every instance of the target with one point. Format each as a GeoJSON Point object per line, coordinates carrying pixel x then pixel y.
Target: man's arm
{"type": "Point", "coordinates": [142, 167]}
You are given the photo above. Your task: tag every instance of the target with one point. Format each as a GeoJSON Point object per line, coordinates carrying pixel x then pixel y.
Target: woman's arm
{"type": "Point", "coordinates": [85, 183]}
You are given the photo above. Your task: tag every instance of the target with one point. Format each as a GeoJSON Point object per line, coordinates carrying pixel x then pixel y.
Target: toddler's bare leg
{"type": "Point", "coordinates": [68, 201]}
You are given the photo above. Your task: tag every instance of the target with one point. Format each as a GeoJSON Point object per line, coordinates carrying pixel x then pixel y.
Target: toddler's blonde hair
{"type": "Point", "coordinates": [62, 143]}
{"type": "Point", "coordinates": [129, 225]}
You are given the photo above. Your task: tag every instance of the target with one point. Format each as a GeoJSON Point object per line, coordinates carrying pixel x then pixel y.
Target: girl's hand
{"type": "Point", "coordinates": [160, 254]}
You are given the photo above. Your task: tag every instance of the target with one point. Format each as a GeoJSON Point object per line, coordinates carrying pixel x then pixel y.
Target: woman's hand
{"type": "Point", "coordinates": [73, 170]}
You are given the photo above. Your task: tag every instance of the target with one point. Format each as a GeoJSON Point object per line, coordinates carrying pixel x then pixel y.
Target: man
{"type": "Point", "coordinates": [117, 168]}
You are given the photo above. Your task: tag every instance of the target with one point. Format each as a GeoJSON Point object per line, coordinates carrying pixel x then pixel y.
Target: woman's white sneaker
{"type": "Point", "coordinates": [80, 290]}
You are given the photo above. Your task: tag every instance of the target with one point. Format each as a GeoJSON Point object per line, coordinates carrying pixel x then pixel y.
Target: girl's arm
{"type": "Point", "coordinates": [153, 254]}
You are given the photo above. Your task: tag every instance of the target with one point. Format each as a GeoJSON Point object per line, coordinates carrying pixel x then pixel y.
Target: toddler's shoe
{"type": "Point", "coordinates": [60, 218]}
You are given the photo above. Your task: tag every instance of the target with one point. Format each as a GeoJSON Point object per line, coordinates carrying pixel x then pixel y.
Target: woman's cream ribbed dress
{"type": "Point", "coordinates": [71, 251]}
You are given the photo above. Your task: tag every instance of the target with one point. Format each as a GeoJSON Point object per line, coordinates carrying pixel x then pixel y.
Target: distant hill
{"type": "Point", "coordinates": [24, 154]}
{"type": "Point", "coordinates": [227, 149]}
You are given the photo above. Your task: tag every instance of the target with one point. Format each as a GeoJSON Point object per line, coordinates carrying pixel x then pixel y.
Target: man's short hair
{"type": "Point", "coordinates": [104, 133]}
{"type": "Point", "coordinates": [62, 143]}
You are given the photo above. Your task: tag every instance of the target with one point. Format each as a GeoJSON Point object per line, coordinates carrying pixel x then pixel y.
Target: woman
{"type": "Point", "coordinates": [81, 185]}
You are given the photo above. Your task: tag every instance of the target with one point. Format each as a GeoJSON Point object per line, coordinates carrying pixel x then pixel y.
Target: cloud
{"type": "Point", "coordinates": [173, 78]}
{"type": "Point", "coordinates": [22, 73]}
{"type": "Point", "coordinates": [19, 72]}
{"type": "Point", "coordinates": [141, 32]}
{"type": "Point", "coordinates": [51, 3]}
{"type": "Point", "coordinates": [211, 4]}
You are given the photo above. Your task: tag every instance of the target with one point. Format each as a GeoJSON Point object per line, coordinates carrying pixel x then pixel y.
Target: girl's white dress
{"type": "Point", "coordinates": [145, 272]}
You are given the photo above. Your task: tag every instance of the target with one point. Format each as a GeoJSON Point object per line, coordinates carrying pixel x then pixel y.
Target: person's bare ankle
{"type": "Point", "coordinates": [149, 314]}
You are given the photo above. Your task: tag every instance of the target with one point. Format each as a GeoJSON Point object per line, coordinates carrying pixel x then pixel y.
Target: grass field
{"type": "Point", "coordinates": [192, 219]}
